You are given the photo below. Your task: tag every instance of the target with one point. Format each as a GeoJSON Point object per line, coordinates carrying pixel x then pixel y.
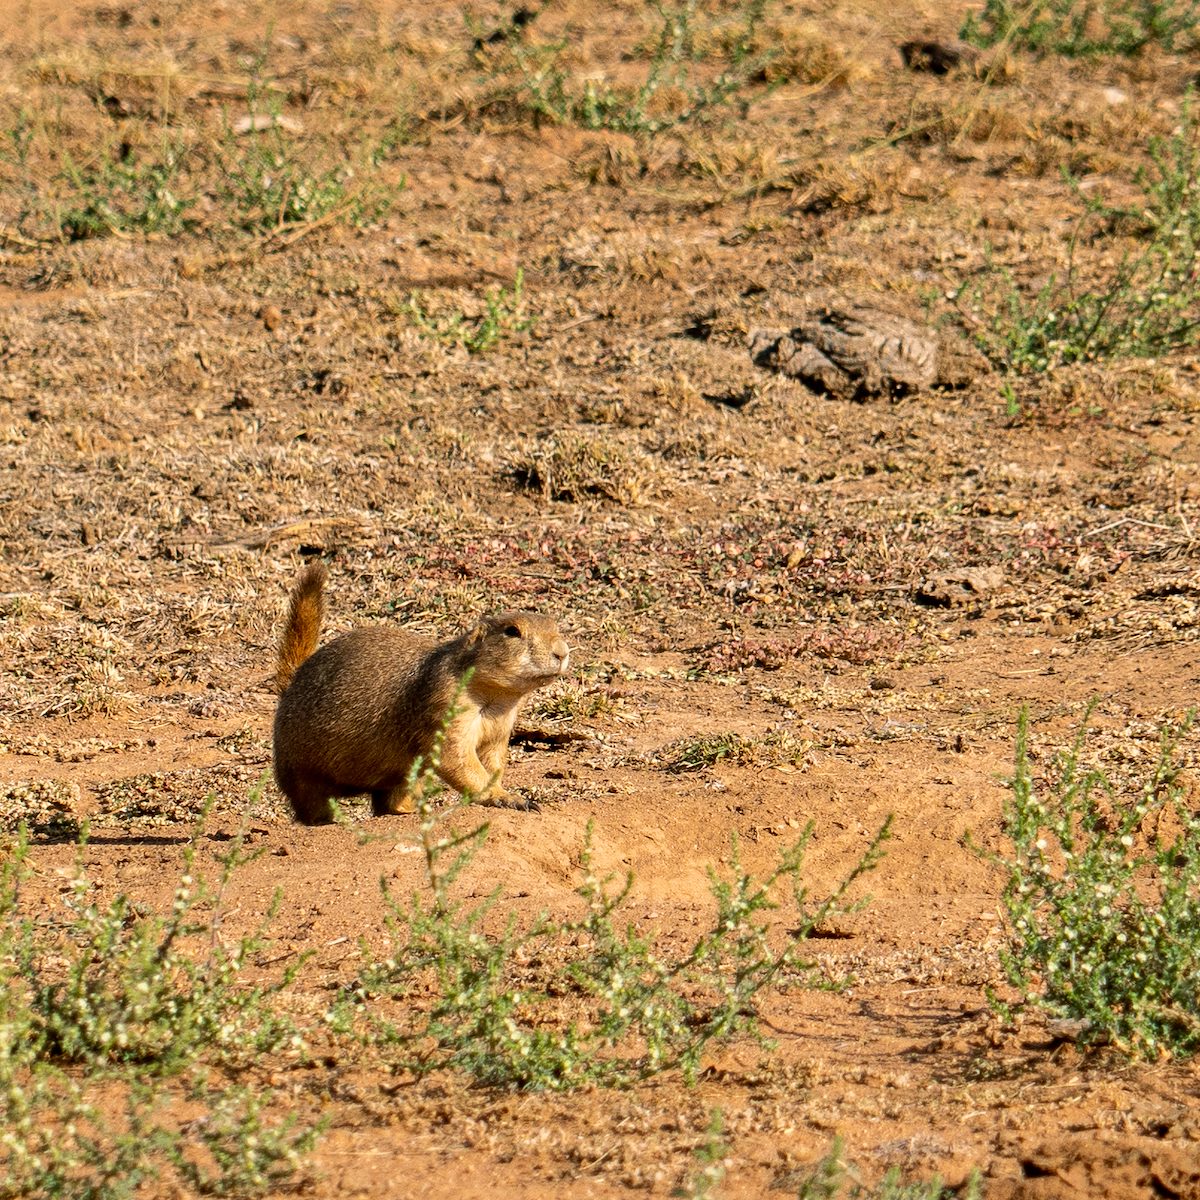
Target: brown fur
{"type": "Point", "coordinates": [306, 613]}
{"type": "Point", "coordinates": [357, 713]}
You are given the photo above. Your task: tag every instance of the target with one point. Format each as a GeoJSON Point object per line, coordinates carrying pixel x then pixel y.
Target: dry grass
{"type": "Point", "coordinates": [187, 413]}
{"type": "Point", "coordinates": [579, 469]}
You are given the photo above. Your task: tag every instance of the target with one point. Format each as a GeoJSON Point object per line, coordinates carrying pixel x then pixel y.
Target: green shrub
{"type": "Point", "coordinates": [123, 193]}
{"type": "Point", "coordinates": [117, 984]}
{"type": "Point", "coordinates": [671, 92]}
{"type": "Point", "coordinates": [1084, 27]}
{"type": "Point", "coordinates": [271, 179]}
{"type": "Point", "coordinates": [118, 189]}
{"type": "Point", "coordinates": [1102, 900]}
{"type": "Point", "coordinates": [56, 1141]}
{"type": "Point", "coordinates": [152, 1008]}
{"type": "Point", "coordinates": [1146, 305]}
{"type": "Point", "coordinates": [466, 1003]}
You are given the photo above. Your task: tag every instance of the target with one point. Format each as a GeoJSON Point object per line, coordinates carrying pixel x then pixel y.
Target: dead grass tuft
{"type": "Point", "coordinates": [572, 702]}
{"type": "Point", "coordinates": [974, 118]}
{"type": "Point", "coordinates": [775, 748]}
{"type": "Point", "coordinates": [582, 469]}
{"type": "Point", "coordinates": [869, 186]}
{"type": "Point", "coordinates": [803, 54]}
{"type": "Point", "coordinates": [46, 807]}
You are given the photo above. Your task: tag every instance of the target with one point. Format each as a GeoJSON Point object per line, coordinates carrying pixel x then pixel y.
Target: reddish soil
{"type": "Point", "coordinates": [751, 558]}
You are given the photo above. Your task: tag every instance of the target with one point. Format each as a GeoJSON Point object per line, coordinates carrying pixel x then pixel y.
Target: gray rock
{"type": "Point", "coordinates": [851, 350]}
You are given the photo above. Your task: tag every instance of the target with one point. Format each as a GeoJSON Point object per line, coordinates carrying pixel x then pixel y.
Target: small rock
{"type": "Point", "coordinates": [270, 316]}
{"type": "Point", "coordinates": [850, 350]}
{"type": "Point", "coordinates": [1067, 1029]}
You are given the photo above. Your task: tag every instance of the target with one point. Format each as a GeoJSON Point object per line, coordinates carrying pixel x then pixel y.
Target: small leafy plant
{"type": "Point", "coordinates": [270, 180]}
{"type": "Point", "coordinates": [832, 1178]}
{"type": "Point", "coordinates": [467, 999]}
{"type": "Point", "coordinates": [1147, 304]}
{"type": "Point", "coordinates": [1079, 28]}
{"type": "Point", "coordinates": [504, 315]}
{"type": "Point", "coordinates": [671, 92]}
{"type": "Point", "coordinates": [121, 192]}
{"type": "Point", "coordinates": [261, 175]}
{"type": "Point", "coordinates": [118, 188]}
{"type": "Point", "coordinates": [152, 1008]}
{"type": "Point", "coordinates": [1102, 899]}
{"type": "Point", "coordinates": [115, 984]}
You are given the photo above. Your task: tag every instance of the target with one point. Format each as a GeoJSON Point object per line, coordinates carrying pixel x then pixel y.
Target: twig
{"type": "Point", "coordinates": [7, 235]}
{"type": "Point", "coordinates": [579, 321]}
{"type": "Point", "coordinates": [1127, 521]}
{"type": "Point", "coordinates": [275, 239]}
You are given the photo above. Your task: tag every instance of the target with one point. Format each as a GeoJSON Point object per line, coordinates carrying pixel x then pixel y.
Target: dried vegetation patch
{"type": "Point", "coordinates": [462, 300]}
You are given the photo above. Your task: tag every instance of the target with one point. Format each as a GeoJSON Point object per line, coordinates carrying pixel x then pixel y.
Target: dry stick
{"type": "Point", "coordinates": [1127, 521]}
{"type": "Point", "coordinates": [579, 321]}
{"type": "Point", "coordinates": [267, 243]}
{"type": "Point", "coordinates": [7, 235]}
{"type": "Point", "coordinates": [1187, 525]}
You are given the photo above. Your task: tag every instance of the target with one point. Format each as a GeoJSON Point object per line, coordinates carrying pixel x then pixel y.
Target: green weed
{"type": "Point", "coordinates": [1079, 28]}
{"type": "Point", "coordinates": [152, 1008]}
{"type": "Point", "coordinates": [671, 92]}
{"type": "Point", "coordinates": [56, 1141]}
{"type": "Point", "coordinates": [116, 984]}
{"type": "Point", "coordinates": [259, 179]}
{"type": "Point", "coordinates": [123, 193]}
{"type": "Point", "coordinates": [1102, 898]}
{"type": "Point", "coordinates": [504, 315]}
{"type": "Point", "coordinates": [239, 1147]}
{"type": "Point", "coordinates": [1144, 306]}
{"type": "Point", "coordinates": [833, 1179]}
{"type": "Point", "coordinates": [118, 189]}
{"type": "Point", "coordinates": [270, 179]}
{"type": "Point", "coordinates": [468, 1002]}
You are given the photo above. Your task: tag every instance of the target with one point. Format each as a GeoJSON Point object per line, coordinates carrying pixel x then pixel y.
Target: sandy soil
{"type": "Point", "coordinates": [185, 418]}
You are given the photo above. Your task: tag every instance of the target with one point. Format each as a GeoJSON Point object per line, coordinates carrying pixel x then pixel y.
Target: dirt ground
{"type": "Point", "coordinates": [186, 417]}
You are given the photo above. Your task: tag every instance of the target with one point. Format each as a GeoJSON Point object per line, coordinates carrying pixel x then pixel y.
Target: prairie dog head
{"type": "Point", "coordinates": [517, 651]}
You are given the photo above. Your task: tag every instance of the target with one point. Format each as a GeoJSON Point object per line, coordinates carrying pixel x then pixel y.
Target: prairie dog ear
{"type": "Point", "coordinates": [479, 633]}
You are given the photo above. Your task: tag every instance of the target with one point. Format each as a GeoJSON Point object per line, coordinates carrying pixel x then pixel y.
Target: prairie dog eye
{"type": "Point", "coordinates": [513, 631]}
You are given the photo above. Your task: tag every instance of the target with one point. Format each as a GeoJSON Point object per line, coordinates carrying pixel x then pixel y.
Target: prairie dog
{"type": "Point", "coordinates": [354, 715]}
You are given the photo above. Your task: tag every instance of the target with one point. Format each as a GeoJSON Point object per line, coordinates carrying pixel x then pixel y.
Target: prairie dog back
{"type": "Point", "coordinates": [355, 715]}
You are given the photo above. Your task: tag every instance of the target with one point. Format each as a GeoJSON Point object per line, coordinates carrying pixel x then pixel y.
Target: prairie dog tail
{"type": "Point", "coordinates": [306, 609]}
